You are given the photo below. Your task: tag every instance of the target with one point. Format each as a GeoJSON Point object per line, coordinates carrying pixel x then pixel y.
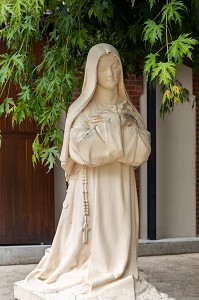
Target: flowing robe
{"type": "Point", "coordinates": [110, 150]}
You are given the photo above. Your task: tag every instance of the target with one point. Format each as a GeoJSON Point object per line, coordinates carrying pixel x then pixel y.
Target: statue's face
{"type": "Point", "coordinates": [108, 72]}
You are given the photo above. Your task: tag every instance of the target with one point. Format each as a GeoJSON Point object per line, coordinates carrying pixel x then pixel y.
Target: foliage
{"type": "Point", "coordinates": [173, 48]}
{"type": "Point", "coordinates": [63, 31]}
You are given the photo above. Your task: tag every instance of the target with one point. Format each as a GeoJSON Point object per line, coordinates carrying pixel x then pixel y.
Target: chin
{"type": "Point", "coordinates": [110, 85]}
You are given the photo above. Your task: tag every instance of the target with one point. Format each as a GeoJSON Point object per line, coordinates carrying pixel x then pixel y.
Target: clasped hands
{"type": "Point", "coordinates": [126, 118]}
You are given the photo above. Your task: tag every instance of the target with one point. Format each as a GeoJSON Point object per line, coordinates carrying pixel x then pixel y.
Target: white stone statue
{"type": "Point", "coordinates": [94, 252]}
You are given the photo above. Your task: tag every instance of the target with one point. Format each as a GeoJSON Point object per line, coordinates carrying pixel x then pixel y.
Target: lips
{"type": "Point", "coordinates": [111, 80]}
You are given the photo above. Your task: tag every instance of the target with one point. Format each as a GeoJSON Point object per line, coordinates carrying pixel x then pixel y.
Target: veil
{"type": "Point", "coordinates": [88, 90]}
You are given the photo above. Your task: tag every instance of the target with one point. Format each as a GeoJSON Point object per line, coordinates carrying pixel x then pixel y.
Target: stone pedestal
{"type": "Point", "coordinates": [21, 292]}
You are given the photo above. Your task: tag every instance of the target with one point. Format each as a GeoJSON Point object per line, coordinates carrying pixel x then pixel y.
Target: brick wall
{"type": "Point", "coordinates": [134, 87]}
{"type": "Point", "coordinates": [196, 93]}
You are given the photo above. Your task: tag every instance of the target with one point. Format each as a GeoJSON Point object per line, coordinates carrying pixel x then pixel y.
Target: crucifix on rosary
{"type": "Point", "coordinates": [85, 230]}
{"type": "Point", "coordinates": [85, 227]}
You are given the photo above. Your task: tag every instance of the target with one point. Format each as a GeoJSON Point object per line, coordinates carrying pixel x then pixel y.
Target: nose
{"type": "Point", "coordinates": [110, 72]}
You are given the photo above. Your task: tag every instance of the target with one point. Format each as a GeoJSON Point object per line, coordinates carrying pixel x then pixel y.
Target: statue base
{"type": "Point", "coordinates": [144, 290]}
{"type": "Point", "coordinates": [21, 292]}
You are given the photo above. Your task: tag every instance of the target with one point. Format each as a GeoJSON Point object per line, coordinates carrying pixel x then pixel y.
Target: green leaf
{"type": "Point", "coordinates": [17, 60]}
{"type": "Point", "coordinates": [36, 106]}
{"type": "Point", "coordinates": [5, 10]}
{"type": "Point", "coordinates": [64, 21]}
{"type": "Point", "coordinates": [152, 32]}
{"type": "Point", "coordinates": [150, 63]}
{"type": "Point", "coordinates": [172, 11]}
{"type": "Point", "coordinates": [152, 3]}
{"type": "Point", "coordinates": [102, 10]}
{"type": "Point", "coordinates": [50, 115]}
{"type": "Point", "coordinates": [7, 63]}
{"type": "Point", "coordinates": [37, 149]}
{"type": "Point", "coordinates": [164, 72]}
{"type": "Point", "coordinates": [5, 73]}
{"type": "Point", "coordinates": [21, 109]}
{"type": "Point", "coordinates": [79, 38]}
{"type": "Point", "coordinates": [5, 69]}
{"type": "Point", "coordinates": [133, 31]}
{"type": "Point", "coordinates": [4, 58]}
{"type": "Point", "coordinates": [28, 27]}
{"type": "Point", "coordinates": [49, 156]}
{"type": "Point", "coordinates": [90, 12]}
{"type": "Point", "coordinates": [56, 136]}
{"type": "Point", "coordinates": [19, 113]}
{"type": "Point", "coordinates": [69, 80]}
{"type": "Point", "coordinates": [182, 46]}
{"type": "Point", "coordinates": [195, 3]}
{"type": "Point", "coordinates": [1, 109]}
{"type": "Point", "coordinates": [24, 95]}
{"type": "Point", "coordinates": [9, 105]}
{"type": "Point", "coordinates": [42, 84]}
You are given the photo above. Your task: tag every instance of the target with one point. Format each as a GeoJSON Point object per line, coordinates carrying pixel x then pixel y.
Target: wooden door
{"type": "Point", "coordinates": [26, 194]}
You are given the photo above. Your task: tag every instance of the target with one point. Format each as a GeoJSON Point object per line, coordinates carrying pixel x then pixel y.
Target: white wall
{"type": "Point", "coordinates": [176, 167]}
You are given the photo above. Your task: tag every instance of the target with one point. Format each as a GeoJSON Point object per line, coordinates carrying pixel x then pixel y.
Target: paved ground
{"type": "Point", "coordinates": [176, 275]}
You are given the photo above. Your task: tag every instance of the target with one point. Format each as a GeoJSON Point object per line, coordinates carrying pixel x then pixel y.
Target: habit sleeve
{"type": "Point", "coordinates": [98, 145]}
{"type": "Point", "coordinates": [108, 142]}
{"type": "Point", "coordinates": [136, 145]}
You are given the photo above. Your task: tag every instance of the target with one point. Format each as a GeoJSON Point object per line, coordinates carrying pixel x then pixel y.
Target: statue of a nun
{"type": "Point", "coordinates": [94, 252]}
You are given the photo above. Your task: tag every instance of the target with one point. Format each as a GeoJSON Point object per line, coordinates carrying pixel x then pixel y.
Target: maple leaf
{"type": "Point", "coordinates": [36, 149]}
{"type": "Point", "coordinates": [151, 3]}
{"type": "Point", "coordinates": [49, 156]}
{"type": "Point", "coordinates": [9, 105]}
{"type": "Point", "coordinates": [171, 11]}
{"type": "Point", "coordinates": [182, 46]}
{"type": "Point", "coordinates": [152, 32]}
{"type": "Point", "coordinates": [150, 63]}
{"type": "Point", "coordinates": [164, 72]}
{"type": "Point", "coordinates": [20, 112]}
{"type": "Point", "coordinates": [1, 109]}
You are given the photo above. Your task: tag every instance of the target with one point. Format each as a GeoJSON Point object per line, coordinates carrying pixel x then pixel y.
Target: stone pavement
{"type": "Point", "coordinates": [176, 275]}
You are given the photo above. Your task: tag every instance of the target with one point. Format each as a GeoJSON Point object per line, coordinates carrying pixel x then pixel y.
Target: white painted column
{"type": "Point", "coordinates": [176, 167]}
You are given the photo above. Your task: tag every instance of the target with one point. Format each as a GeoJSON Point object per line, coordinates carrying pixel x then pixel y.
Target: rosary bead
{"type": "Point", "coordinates": [85, 195]}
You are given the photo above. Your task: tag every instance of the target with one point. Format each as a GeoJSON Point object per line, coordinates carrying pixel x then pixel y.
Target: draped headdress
{"type": "Point", "coordinates": [88, 90]}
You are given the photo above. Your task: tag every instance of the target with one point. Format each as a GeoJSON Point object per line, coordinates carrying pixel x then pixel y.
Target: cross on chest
{"type": "Point", "coordinates": [85, 230]}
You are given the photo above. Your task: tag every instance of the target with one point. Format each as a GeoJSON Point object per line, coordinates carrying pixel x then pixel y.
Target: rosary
{"type": "Point", "coordinates": [85, 227]}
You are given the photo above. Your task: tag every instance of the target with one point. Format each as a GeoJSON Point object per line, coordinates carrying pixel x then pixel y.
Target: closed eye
{"type": "Point", "coordinates": [115, 65]}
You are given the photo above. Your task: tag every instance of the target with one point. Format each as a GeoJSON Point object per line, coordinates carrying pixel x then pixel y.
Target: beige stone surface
{"type": "Point", "coordinates": [95, 245]}
{"type": "Point", "coordinates": [176, 275]}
